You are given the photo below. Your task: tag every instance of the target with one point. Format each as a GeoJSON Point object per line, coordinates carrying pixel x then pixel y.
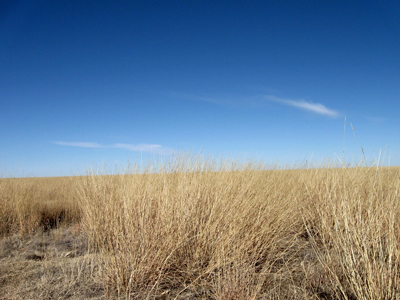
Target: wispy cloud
{"type": "Point", "coordinates": [143, 148]}
{"type": "Point", "coordinates": [309, 106]}
{"type": "Point", "coordinates": [79, 144]}
{"type": "Point", "coordinates": [156, 149]}
{"type": "Point", "coordinates": [257, 101]}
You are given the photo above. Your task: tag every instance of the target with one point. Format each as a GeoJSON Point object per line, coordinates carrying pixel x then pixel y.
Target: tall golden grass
{"type": "Point", "coordinates": [194, 227]}
{"type": "Point", "coordinates": [353, 223]}
{"type": "Point", "coordinates": [29, 204]}
{"type": "Point", "coordinates": [220, 226]}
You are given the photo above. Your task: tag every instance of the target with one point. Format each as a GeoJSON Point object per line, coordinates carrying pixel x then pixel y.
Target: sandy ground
{"type": "Point", "coordinates": [56, 264]}
{"type": "Point", "coordinates": [49, 265]}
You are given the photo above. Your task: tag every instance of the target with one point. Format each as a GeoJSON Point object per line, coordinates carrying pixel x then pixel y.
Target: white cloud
{"type": "Point", "coordinates": [151, 148]}
{"type": "Point", "coordinates": [255, 102]}
{"type": "Point", "coordinates": [79, 144]}
{"type": "Point", "coordinates": [310, 106]}
{"type": "Point", "coordinates": [139, 147]}
{"type": "Point", "coordinates": [156, 149]}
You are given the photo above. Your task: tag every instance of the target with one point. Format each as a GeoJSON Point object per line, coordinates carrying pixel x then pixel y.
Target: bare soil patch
{"type": "Point", "coordinates": [54, 264]}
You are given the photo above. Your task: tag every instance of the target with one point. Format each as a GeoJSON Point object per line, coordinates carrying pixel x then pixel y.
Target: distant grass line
{"type": "Point", "coordinates": [198, 228]}
{"type": "Point", "coordinates": [30, 204]}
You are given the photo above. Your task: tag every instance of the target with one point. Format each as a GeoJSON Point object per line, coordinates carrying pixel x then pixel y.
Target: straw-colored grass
{"type": "Point", "coordinates": [191, 227]}
{"type": "Point", "coordinates": [353, 224]}
{"type": "Point", "coordinates": [194, 228]}
{"type": "Point", "coordinates": [29, 204]}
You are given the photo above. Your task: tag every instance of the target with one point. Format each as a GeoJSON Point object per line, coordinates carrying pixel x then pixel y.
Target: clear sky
{"type": "Point", "coordinates": [88, 82]}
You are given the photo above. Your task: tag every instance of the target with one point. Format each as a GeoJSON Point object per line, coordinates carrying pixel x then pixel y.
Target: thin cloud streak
{"type": "Point", "coordinates": [157, 149]}
{"type": "Point", "coordinates": [79, 144]}
{"type": "Point", "coordinates": [140, 147]}
{"type": "Point", "coordinates": [254, 102]}
{"type": "Point", "coordinates": [310, 106]}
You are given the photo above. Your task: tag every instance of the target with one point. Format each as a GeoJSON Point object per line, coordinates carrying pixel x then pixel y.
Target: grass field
{"type": "Point", "coordinates": [194, 228]}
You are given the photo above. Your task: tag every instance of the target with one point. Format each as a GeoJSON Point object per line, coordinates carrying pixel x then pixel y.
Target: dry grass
{"type": "Point", "coordinates": [353, 224]}
{"type": "Point", "coordinates": [49, 265]}
{"type": "Point", "coordinates": [29, 204]}
{"type": "Point", "coordinates": [194, 228]}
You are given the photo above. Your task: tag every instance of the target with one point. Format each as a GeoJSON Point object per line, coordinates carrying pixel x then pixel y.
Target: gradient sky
{"type": "Point", "coordinates": [88, 82]}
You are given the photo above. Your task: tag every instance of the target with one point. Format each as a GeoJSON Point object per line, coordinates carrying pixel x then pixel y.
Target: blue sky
{"type": "Point", "coordinates": [88, 82]}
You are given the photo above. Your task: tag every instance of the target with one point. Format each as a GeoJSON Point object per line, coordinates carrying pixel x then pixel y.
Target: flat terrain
{"type": "Point", "coordinates": [202, 230]}
{"type": "Point", "coordinates": [56, 265]}
{"type": "Point", "coordinates": [49, 265]}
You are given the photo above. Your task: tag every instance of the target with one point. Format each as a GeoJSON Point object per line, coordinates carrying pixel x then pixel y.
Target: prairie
{"type": "Point", "coordinates": [196, 228]}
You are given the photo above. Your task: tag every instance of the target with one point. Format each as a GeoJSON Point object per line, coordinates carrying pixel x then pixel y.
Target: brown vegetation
{"type": "Point", "coordinates": [194, 228]}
